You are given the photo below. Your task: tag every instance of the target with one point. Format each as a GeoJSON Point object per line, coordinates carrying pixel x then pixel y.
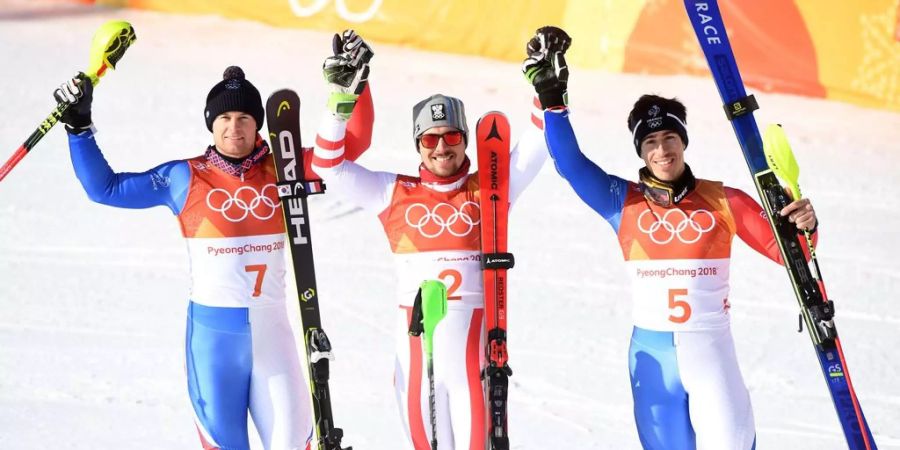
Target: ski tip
{"type": "Point", "coordinates": [493, 125]}
{"type": "Point", "coordinates": [280, 101]}
{"type": "Point", "coordinates": [283, 94]}
{"type": "Point", "coordinates": [491, 114]}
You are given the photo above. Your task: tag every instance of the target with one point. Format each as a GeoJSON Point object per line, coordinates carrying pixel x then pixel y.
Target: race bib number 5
{"type": "Point", "coordinates": [679, 308]}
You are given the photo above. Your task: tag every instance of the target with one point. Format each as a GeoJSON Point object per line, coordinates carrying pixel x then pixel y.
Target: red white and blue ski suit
{"type": "Point", "coordinates": [241, 353]}
{"type": "Point", "coordinates": [687, 387]}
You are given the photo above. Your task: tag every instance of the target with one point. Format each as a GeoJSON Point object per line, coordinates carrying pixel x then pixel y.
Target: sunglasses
{"type": "Point", "coordinates": [430, 141]}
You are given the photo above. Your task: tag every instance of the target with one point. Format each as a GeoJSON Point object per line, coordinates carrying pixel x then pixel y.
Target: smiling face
{"type": "Point", "coordinates": [234, 133]}
{"type": "Point", "coordinates": [663, 153]}
{"type": "Point", "coordinates": [443, 160]}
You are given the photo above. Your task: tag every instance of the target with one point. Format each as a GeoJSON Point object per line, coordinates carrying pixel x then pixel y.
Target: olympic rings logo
{"type": "Point", "coordinates": [433, 222]}
{"type": "Point", "coordinates": [688, 230]}
{"type": "Point", "coordinates": [245, 201]}
{"type": "Point", "coordinates": [342, 10]}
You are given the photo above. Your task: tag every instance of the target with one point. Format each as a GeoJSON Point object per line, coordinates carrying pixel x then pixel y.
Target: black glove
{"type": "Point", "coordinates": [353, 45]}
{"type": "Point", "coordinates": [347, 71]}
{"type": "Point", "coordinates": [545, 66]}
{"type": "Point", "coordinates": [77, 95]}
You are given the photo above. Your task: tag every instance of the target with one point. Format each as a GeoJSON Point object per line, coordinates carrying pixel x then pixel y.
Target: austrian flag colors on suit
{"type": "Point", "coordinates": [433, 227]}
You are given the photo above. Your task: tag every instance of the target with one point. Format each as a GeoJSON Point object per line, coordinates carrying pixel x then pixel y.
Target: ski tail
{"type": "Point", "coordinates": [816, 310]}
{"type": "Point", "coordinates": [283, 117]}
{"type": "Point", "coordinates": [493, 140]}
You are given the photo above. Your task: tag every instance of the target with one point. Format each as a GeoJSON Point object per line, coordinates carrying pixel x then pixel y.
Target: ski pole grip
{"type": "Point", "coordinates": [498, 261]}
{"type": "Point", "coordinates": [416, 328]}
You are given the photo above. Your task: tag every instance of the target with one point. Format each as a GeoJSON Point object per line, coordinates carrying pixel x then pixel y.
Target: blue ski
{"type": "Point", "coordinates": [815, 308]}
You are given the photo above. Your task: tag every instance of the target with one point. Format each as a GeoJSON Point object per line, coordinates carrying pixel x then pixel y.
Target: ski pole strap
{"type": "Point", "coordinates": [498, 261]}
{"type": "Point", "coordinates": [416, 328]}
{"type": "Point", "coordinates": [740, 107]}
{"type": "Point", "coordinates": [300, 189]}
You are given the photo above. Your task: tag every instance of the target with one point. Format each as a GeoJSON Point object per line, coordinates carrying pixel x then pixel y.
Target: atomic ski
{"type": "Point", "coordinates": [493, 179]}
{"type": "Point", "coordinates": [815, 308]}
{"type": "Point", "coordinates": [283, 117]}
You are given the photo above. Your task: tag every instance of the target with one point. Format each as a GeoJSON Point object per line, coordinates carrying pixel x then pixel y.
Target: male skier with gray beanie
{"type": "Point", "coordinates": [432, 224]}
{"type": "Point", "coordinates": [241, 354]}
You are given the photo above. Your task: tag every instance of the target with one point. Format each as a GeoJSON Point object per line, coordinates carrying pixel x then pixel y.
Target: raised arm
{"type": "Point", "coordinates": [546, 69]}
{"type": "Point", "coordinates": [349, 103]}
{"type": "Point", "coordinates": [163, 185]}
{"type": "Point", "coordinates": [358, 135]}
{"type": "Point", "coordinates": [529, 155]}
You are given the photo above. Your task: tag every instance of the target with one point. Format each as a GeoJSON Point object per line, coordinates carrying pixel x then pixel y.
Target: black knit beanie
{"type": "Point", "coordinates": [652, 113]}
{"type": "Point", "coordinates": [234, 93]}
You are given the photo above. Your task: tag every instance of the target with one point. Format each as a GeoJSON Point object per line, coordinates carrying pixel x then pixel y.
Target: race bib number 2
{"type": "Point", "coordinates": [455, 278]}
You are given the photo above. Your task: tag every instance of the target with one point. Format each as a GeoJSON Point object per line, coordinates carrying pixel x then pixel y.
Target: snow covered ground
{"type": "Point", "coordinates": [92, 298]}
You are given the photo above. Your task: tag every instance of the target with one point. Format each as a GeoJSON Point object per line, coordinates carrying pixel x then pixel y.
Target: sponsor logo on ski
{"type": "Point", "coordinates": [501, 296]}
{"type": "Point", "coordinates": [308, 295]}
{"type": "Point", "coordinates": [711, 32]}
{"type": "Point", "coordinates": [246, 201]}
{"type": "Point", "coordinates": [688, 229]}
{"type": "Point", "coordinates": [494, 133]}
{"type": "Point", "coordinates": [494, 172]}
{"type": "Point", "coordinates": [444, 217]}
{"type": "Point", "coordinates": [286, 139]}
{"type": "Point", "coordinates": [835, 371]}
{"type": "Point", "coordinates": [295, 208]}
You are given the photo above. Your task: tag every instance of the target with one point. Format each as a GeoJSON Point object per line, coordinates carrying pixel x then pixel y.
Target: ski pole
{"type": "Point", "coordinates": [781, 160]}
{"type": "Point", "coordinates": [109, 44]}
{"type": "Point", "coordinates": [429, 309]}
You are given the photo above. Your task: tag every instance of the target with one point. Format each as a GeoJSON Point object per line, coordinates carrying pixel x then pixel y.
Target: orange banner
{"type": "Point", "coordinates": [848, 51]}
